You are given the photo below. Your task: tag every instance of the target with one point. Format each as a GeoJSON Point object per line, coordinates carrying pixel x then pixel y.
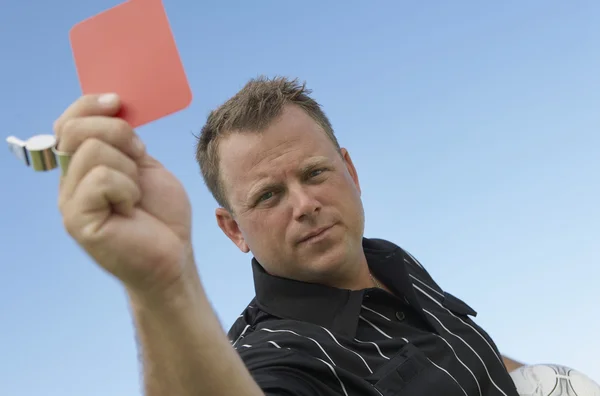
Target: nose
{"type": "Point", "coordinates": [305, 205]}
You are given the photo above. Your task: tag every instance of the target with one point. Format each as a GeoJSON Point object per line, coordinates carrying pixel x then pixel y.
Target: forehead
{"type": "Point", "coordinates": [293, 138]}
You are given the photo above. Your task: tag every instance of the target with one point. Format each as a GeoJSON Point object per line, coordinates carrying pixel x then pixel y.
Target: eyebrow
{"type": "Point", "coordinates": [313, 163]}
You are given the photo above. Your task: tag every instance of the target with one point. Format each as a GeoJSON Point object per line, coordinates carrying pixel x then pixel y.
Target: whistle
{"type": "Point", "coordinates": [36, 152]}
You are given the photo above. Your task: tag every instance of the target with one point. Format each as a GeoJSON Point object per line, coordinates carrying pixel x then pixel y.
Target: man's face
{"type": "Point", "coordinates": [295, 200]}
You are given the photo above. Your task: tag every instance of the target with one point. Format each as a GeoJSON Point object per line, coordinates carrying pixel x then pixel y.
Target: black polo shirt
{"type": "Point", "coordinates": [306, 339]}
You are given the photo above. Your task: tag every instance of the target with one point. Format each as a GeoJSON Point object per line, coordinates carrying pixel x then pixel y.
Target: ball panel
{"type": "Point", "coordinates": [582, 384]}
{"type": "Point", "coordinates": [553, 380]}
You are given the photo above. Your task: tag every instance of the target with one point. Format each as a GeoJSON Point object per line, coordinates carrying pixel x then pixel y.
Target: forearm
{"type": "Point", "coordinates": [184, 350]}
{"type": "Point", "coordinates": [511, 364]}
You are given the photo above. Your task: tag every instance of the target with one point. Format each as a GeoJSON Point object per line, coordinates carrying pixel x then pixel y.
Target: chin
{"type": "Point", "coordinates": [330, 261]}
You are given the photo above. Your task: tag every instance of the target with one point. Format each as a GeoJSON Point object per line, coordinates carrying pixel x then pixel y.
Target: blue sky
{"type": "Point", "coordinates": [473, 125]}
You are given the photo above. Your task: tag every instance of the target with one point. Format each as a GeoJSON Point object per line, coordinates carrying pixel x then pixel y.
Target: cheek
{"type": "Point", "coordinates": [344, 189]}
{"type": "Point", "coordinates": [264, 226]}
{"type": "Point", "coordinates": [345, 196]}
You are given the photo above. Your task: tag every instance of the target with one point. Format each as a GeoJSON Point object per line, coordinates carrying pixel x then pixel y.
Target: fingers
{"type": "Point", "coordinates": [93, 153]}
{"type": "Point", "coordinates": [103, 174]}
{"type": "Point", "coordinates": [102, 192]}
{"type": "Point", "coordinates": [89, 105]}
{"type": "Point", "coordinates": [111, 130]}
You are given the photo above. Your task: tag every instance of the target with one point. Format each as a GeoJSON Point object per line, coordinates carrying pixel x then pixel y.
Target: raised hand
{"type": "Point", "coordinates": [128, 212]}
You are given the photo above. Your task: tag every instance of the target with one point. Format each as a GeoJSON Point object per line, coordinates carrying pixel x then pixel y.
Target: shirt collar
{"type": "Point", "coordinates": [332, 308]}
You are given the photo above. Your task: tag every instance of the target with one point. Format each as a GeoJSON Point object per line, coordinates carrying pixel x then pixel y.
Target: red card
{"type": "Point", "coordinates": [130, 50]}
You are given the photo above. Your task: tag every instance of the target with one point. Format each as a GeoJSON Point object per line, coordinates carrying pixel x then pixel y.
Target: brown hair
{"type": "Point", "coordinates": [252, 109]}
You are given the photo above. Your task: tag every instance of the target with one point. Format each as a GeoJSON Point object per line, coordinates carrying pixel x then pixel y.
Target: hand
{"type": "Point", "coordinates": [128, 212]}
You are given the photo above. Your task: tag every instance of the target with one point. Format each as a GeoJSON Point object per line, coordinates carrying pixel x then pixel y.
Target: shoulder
{"type": "Point", "coordinates": [425, 284]}
{"type": "Point", "coordinates": [432, 292]}
{"type": "Point", "coordinates": [420, 276]}
{"type": "Point", "coordinates": [244, 323]}
{"type": "Point", "coordinates": [416, 270]}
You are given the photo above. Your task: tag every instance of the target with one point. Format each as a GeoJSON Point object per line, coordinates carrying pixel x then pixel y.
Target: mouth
{"type": "Point", "coordinates": [315, 235]}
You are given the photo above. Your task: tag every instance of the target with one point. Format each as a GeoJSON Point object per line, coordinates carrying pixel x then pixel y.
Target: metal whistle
{"type": "Point", "coordinates": [37, 151]}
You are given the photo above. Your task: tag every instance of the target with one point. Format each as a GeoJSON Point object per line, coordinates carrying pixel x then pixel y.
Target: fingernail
{"type": "Point", "coordinates": [138, 145]}
{"type": "Point", "coordinates": [108, 99]}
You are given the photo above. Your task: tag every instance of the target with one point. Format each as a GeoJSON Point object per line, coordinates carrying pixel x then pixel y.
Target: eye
{"type": "Point", "coordinates": [316, 172]}
{"type": "Point", "coordinates": [265, 196]}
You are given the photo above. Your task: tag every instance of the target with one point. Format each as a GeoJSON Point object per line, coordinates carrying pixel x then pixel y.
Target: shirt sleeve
{"type": "Point", "coordinates": [283, 372]}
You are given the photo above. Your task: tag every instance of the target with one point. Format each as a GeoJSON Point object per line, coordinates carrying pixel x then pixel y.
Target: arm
{"type": "Point", "coordinates": [183, 349]}
{"type": "Point", "coordinates": [510, 364]}
{"type": "Point", "coordinates": [133, 218]}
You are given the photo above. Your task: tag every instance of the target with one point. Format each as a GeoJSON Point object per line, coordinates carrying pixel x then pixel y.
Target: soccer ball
{"type": "Point", "coordinates": [553, 380]}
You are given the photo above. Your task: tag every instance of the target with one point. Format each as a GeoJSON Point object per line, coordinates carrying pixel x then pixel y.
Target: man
{"type": "Point", "coordinates": [335, 313]}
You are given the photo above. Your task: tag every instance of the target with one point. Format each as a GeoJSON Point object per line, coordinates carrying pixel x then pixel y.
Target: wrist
{"type": "Point", "coordinates": [183, 292]}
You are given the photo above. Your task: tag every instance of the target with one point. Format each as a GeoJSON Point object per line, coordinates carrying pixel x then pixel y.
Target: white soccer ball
{"type": "Point", "coordinates": [553, 380]}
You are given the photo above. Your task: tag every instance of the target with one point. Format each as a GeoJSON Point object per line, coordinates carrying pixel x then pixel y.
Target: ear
{"type": "Point", "coordinates": [230, 227]}
{"type": "Point", "coordinates": [350, 167]}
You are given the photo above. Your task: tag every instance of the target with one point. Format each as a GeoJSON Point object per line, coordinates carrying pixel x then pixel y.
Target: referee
{"type": "Point", "coordinates": [403, 335]}
{"type": "Point", "coordinates": [335, 312]}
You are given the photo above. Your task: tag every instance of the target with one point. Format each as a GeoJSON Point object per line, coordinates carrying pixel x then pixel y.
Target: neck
{"type": "Point", "coordinates": [359, 277]}
{"type": "Point", "coordinates": [366, 279]}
